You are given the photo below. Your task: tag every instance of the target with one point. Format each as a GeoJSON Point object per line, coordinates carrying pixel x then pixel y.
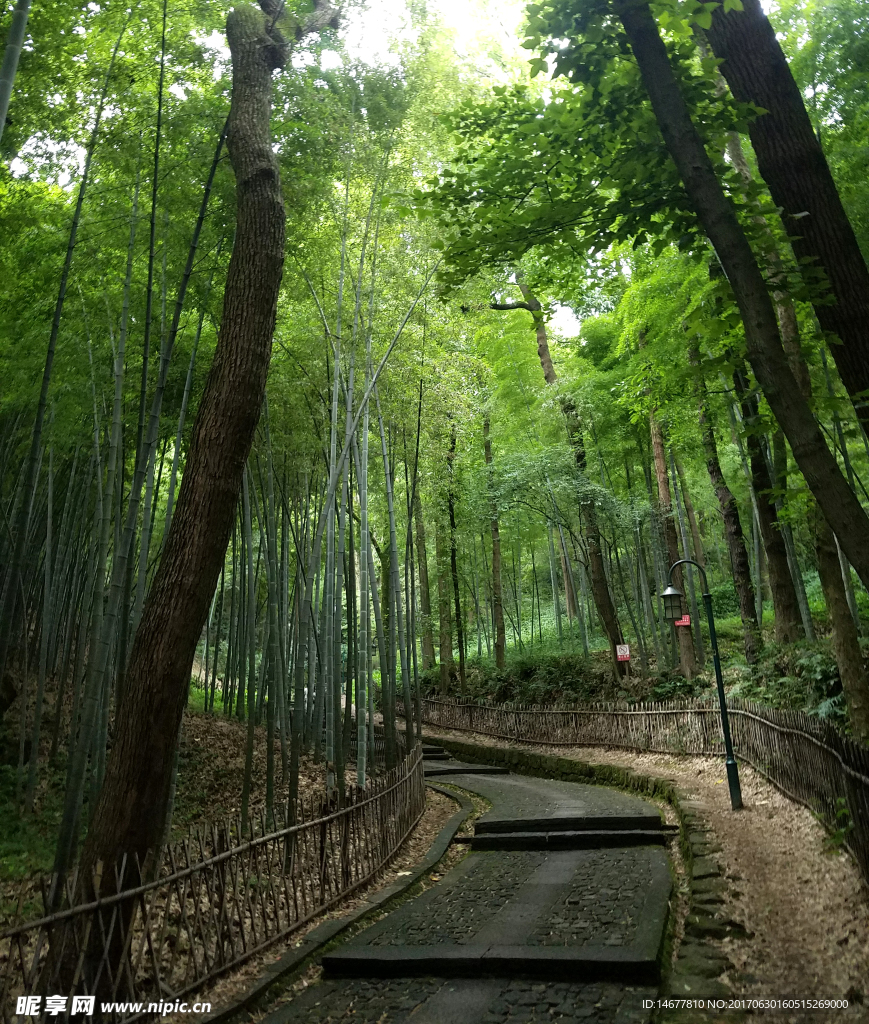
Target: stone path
{"type": "Point", "coordinates": [557, 914]}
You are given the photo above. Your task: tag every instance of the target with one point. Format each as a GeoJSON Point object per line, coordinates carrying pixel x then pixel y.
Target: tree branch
{"type": "Point", "coordinates": [512, 305]}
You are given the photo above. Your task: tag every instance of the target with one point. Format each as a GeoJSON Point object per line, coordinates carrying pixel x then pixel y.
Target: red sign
{"type": "Point", "coordinates": [623, 652]}
{"type": "Point", "coordinates": [684, 621]}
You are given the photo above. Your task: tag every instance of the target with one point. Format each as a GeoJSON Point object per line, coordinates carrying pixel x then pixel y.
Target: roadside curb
{"type": "Point", "coordinates": [694, 974]}
{"type": "Point", "coordinates": [327, 931]}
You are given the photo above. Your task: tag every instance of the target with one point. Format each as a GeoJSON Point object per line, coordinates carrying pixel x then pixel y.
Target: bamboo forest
{"type": "Point", "coordinates": [397, 390]}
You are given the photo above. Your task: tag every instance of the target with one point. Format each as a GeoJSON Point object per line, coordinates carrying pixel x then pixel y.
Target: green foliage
{"type": "Point", "coordinates": [802, 676]}
{"type": "Point", "coordinates": [564, 178]}
{"type": "Point", "coordinates": [844, 826]}
{"type": "Point", "coordinates": [536, 677]}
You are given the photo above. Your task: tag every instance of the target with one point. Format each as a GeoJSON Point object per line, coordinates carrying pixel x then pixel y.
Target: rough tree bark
{"type": "Point", "coordinates": [792, 163]}
{"type": "Point", "coordinates": [832, 572]}
{"type": "Point", "coordinates": [131, 809]}
{"type": "Point", "coordinates": [718, 218]}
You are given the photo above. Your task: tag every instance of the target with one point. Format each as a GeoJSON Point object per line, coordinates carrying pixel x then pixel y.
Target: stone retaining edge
{"type": "Point", "coordinates": [325, 932]}
{"type": "Point", "coordinates": [695, 973]}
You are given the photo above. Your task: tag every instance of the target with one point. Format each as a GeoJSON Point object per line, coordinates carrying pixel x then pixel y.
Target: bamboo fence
{"type": "Point", "coordinates": [217, 899]}
{"type": "Point", "coordinates": [804, 757]}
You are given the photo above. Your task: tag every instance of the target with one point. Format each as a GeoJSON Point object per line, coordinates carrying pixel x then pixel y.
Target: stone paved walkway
{"type": "Point", "coordinates": [529, 934]}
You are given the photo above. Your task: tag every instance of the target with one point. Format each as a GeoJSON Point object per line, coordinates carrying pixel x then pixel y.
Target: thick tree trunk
{"type": "Point", "coordinates": [739, 564]}
{"type": "Point", "coordinates": [788, 622]}
{"type": "Point", "coordinates": [792, 163]}
{"type": "Point", "coordinates": [497, 595]}
{"type": "Point", "coordinates": [686, 643]}
{"type": "Point", "coordinates": [763, 343]}
{"type": "Point", "coordinates": [428, 651]}
{"type": "Point", "coordinates": [132, 804]}
{"type": "Point", "coordinates": [853, 670]}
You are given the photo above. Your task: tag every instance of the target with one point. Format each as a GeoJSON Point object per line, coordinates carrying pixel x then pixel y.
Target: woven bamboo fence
{"type": "Point", "coordinates": [804, 757]}
{"type": "Point", "coordinates": [217, 899]}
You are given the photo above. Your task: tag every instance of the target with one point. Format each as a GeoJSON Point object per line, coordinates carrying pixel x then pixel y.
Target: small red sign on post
{"type": "Point", "coordinates": [623, 652]}
{"type": "Point", "coordinates": [684, 621]}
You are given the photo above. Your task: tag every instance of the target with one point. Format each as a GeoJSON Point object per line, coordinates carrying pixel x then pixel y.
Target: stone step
{"type": "Point", "coordinates": [585, 839]}
{"type": "Point", "coordinates": [570, 823]}
{"type": "Point", "coordinates": [442, 756]}
{"type": "Point", "coordinates": [585, 963]}
{"type": "Point", "coordinates": [435, 768]}
{"type": "Point", "coordinates": [431, 748]}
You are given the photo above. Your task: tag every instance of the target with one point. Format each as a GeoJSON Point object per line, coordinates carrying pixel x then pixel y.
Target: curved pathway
{"type": "Point", "coordinates": [557, 914]}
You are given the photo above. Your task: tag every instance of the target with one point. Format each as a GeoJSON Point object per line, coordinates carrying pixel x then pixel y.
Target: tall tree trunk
{"type": "Point", "coordinates": [428, 651]}
{"type": "Point", "coordinates": [445, 629]}
{"type": "Point", "coordinates": [696, 540]}
{"type": "Point", "coordinates": [699, 649]}
{"type": "Point", "coordinates": [792, 163]}
{"type": "Point", "coordinates": [739, 564]}
{"type": "Point", "coordinates": [11, 54]}
{"type": "Point", "coordinates": [600, 588]}
{"type": "Point", "coordinates": [853, 670]}
{"type": "Point", "coordinates": [665, 507]}
{"type": "Point", "coordinates": [553, 578]}
{"type": "Point", "coordinates": [763, 342]}
{"type": "Point", "coordinates": [248, 700]}
{"type": "Point", "coordinates": [788, 622]}
{"type": "Point", "coordinates": [846, 640]}
{"type": "Point", "coordinates": [132, 804]}
{"type": "Point", "coordinates": [454, 566]}
{"type": "Point", "coordinates": [569, 596]}
{"type": "Point", "coordinates": [790, 335]}
{"type": "Point", "coordinates": [835, 584]}
{"type": "Point", "coordinates": [497, 594]}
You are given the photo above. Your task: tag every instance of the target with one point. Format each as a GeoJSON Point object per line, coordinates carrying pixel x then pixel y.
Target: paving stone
{"type": "Point", "coordinates": [708, 885]}
{"type": "Point", "coordinates": [705, 867]}
{"type": "Point", "coordinates": [510, 915]}
{"type": "Point", "coordinates": [702, 966]}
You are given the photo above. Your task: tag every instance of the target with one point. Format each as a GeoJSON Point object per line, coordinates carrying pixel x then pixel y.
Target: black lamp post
{"type": "Point", "coordinates": [672, 598]}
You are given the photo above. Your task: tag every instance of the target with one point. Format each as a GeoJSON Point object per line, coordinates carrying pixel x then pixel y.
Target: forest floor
{"type": "Point", "coordinates": [800, 898]}
{"type": "Point", "coordinates": [210, 773]}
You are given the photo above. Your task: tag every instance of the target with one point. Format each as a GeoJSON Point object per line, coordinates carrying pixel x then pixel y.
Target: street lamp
{"type": "Point", "coordinates": [672, 598]}
{"type": "Point", "coordinates": [672, 604]}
